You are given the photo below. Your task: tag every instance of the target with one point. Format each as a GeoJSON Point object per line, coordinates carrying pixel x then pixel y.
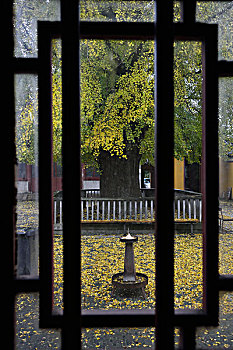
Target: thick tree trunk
{"type": "Point", "coordinates": [120, 177]}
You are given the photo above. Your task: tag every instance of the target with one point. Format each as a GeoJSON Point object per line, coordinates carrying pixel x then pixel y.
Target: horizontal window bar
{"type": "Point", "coordinates": [141, 318]}
{"type": "Point", "coordinates": [25, 65]}
{"type": "Point", "coordinates": [117, 30]}
{"type": "Point", "coordinates": [52, 321]}
{"type": "Point", "coordinates": [121, 30]}
{"type": "Point", "coordinates": [193, 318]}
{"type": "Point", "coordinates": [194, 31]}
{"type": "Point", "coordinates": [226, 283]}
{"type": "Point", "coordinates": [27, 284]}
{"type": "Point", "coordinates": [126, 318]}
{"type": "Point", "coordinates": [118, 318]}
{"type": "Point", "coordinates": [225, 69]}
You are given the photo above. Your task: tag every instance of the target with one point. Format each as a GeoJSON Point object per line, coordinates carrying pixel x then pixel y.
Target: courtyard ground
{"type": "Point", "coordinates": [102, 257]}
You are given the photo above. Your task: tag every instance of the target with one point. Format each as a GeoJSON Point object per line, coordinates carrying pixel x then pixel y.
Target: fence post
{"type": "Point", "coordinates": [152, 209]}
{"type": "Point", "coordinates": [55, 212]}
{"type": "Point", "coordinates": [178, 209]}
{"type": "Point", "coordinates": [194, 209]}
{"type": "Point", "coordinates": [183, 208]}
{"type": "Point", "coordinates": [87, 207]}
{"type": "Point", "coordinates": [140, 210]}
{"type": "Point", "coordinates": [103, 203]}
{"type": "Point", "coordinates": [189, 206]}
{"type": "Point", "coordinates": [119, 210]}
{"type": "Point", "coordinates": [92, 210]}
{"type": "Point", "coordinates": [98, 210]}
{"type": "Point", "coordinates": [145, 209]}
{"type": "Point", "coordinates": [125, 210]}
{"type": "Point", "coordinates": [108, 210]}
{"type": "Point", "coordinates": [114, 210]}
{"type": "Point", "coordinates": [135, 209]}
{"type": "Point", "coordinates": [60, 212]}
{"type": "Point", "coordinates": [200, 209]}
{"type": "Point", "coordinates": [82, 210]}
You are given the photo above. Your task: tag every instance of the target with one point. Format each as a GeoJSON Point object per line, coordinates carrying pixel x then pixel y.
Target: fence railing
{"type": "Point", "coordinates": [146, 192]}
{"type": "Point", "coordinates": [136, 209]}
{"type": "Point", "coordinates": [90, 193]}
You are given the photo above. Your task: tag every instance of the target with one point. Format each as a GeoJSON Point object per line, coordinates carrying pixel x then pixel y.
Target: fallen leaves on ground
{"type": "Point", "coordinates": [102, 256]}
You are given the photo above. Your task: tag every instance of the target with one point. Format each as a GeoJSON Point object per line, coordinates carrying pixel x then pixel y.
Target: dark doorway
{"type": "Point", "coordinates": [192, 177]}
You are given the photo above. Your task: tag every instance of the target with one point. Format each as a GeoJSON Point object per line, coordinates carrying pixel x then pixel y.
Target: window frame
{"type": "Point", "coordinates": [73, 316]}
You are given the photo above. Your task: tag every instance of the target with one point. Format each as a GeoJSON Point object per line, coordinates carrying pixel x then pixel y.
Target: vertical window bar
{"type": "Point", "coordinates": [188, 338]}
{"type": "Point", "coordinates": [164, 176]}
{"type": "Point", "coordinates": [8, 218]}
{"type": "Point", "coordinates": [45, 174]}
{"type": "Point", "coordinates": [71, 334]}
{"type": "Point", "coordinates": [210, 174]}
{"type": "Point", "coordinates": [188, 11]}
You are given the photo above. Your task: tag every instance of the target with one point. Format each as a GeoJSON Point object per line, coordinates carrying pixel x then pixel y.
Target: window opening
{"type": "Point", "coordinates": [220, 335]}
{"type": "Point", "coordinates": [26, 15]}
{"type": "Point", "coordinates": [26, 18]}
{"type": "Point", "coordinates": [29, 335]}
{"type": "Point", "coordinates": [26, 140]}
{"type": "Point", "coordinates": [221, 14]}
{"type": "Point", "coordinates": [117, 11]}
{"type": "Point", "coordinates": [188, 249]}
{"type": "Point", "coordinates": [117, 137]}
{"type": "Point", "coordinates": [212, 283]}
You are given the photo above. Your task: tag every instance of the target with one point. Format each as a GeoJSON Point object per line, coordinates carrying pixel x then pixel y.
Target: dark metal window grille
{"type": "Point", "coordinates": [73, 318]}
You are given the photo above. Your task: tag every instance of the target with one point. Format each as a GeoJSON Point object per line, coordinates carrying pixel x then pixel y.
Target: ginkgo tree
{"type": "Point", "coordinates": [117, 101]}
{"type": "Point", "coordinates": [117, 108]}
{"type": "Point", "coordinates": [117, 111]}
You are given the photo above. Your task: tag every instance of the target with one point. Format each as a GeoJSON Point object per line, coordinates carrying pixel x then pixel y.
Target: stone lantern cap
{"type": "Point", "coordinates": [128, 238]}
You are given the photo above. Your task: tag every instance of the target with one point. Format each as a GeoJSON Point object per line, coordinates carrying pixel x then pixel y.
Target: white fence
{"type": "Point", "coordinates": [138, 209]}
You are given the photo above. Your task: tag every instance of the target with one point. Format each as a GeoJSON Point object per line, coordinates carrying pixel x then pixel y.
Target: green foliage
{"type": "Point", "coordinates": [225, 117]}
{"type": "Point", "coordinates": [26, 127]}
{"type": "Point", "coordinates": [121, 10]}
{"type": "Point", "coordinates": [126, 112]}
{"type": "Point", "coordinates": [220, 13]}
{"type": "Point", "coordinates": [57, 101]}
{"type": "Point", "coordinates": [117, 90]}
{"type": "Point", "coordinates": [117, 95]}
{"type": "Point", "coordinates": [188, 100]}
